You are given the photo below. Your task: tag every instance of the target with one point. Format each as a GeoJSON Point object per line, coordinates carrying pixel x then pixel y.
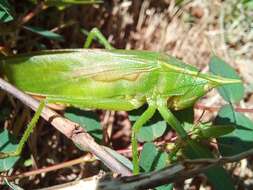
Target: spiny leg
{"type": "Point", "coordinates": [135, 129]}
{"type": "Point", "coordinates": [95, 33]}
{"type": "Point", "coordinates": [26, 134]}
{"type": "Point", "coordinates": [176, 125]}
{"type": "Point", "coordinates": [171, 119]}
{"type": "Point", "coordinates": [196, 149]}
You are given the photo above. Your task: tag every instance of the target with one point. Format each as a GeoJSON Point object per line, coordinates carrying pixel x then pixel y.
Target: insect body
{"type": "Point", "coordinates": [108, 79]}
{"type": "Point", "coordinates": [113, 80]}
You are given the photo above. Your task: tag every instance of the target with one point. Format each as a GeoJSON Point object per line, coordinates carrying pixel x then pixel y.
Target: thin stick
{"type": "Point", "coordinates": [39, 7]}
{"type": "Point", "coordinates": [175, 172]}
{"type": "Point", "coordinates": [70, 129]}
{"type": "Point", "coordinates": [50, 168]}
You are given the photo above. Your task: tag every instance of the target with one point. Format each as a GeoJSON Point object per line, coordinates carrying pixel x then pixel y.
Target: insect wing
{"type": "Point", "coordinates": [76, 72]}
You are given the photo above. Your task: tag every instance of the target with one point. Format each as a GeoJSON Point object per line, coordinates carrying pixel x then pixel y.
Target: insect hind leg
{"type": "Point", "coordinates": [96, 34]}
{"type": "Point", "coordinates": [135, 130]}
{"type": "Point", "coordinates": [26, 134]}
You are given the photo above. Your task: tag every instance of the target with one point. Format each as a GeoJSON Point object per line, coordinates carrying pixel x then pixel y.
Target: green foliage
{"type": "Point", "coordinates": [5, 11]}
{"type": "Point", "coordinates": [152, 159]}
{"type": "Point", "coordinates": [217, 175]}
{"type": "Point", "coordinates": [248, 4]}
{"type": "Point", "coordinates": [45, 33]}
{"type": "Point", "coordinates": [240, 139]}
{"type": "Point", "coordinates": [7, 143]}
{"type": "Point", "coordinates": [120, 158]}
{"type": "Point", "coordinates": [213, 131]}
{"type": "Point", "coordinates": [87, 120]}
{"type": "Point", "coordinates": [179, 2]}
{"type": "Point", "coordinates": [219, 67]}
{"type": "Point", "coordinates": [12, 185]}
{"type": "Point", "coordinates": [152, 130]}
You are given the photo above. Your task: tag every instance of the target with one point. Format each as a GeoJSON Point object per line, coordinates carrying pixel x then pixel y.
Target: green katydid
{"type": "Point", "coordinates": [112, 80]}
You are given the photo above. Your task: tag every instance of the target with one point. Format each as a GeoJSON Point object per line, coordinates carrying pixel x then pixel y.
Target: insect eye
{"type": "Point", "coordinates": [207, 87]}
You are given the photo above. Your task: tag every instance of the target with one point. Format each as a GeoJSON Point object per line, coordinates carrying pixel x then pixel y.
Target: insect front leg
{"type": "Point", "coordinates": [26, 134]}
{"type": "Point", "coordinates": [95, 33]}
{"type": "Point", "coordinates": [136, 128]}
{"type": "Point", "coordinates": [171, 119]}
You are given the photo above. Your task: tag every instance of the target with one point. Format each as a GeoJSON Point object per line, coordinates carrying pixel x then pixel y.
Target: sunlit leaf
{"type": "Point", "coordinates": [152, 159]}
{"type": "Point", "coordinates": [240, 139]}
{"type": "Point", "coordinates": [151, 130]}
{"type": "Point", "coordinates": [8, 143]}
{"type": "Point", "coordinates": [217, 175]}
{"type": "Point", "coordinates": [231, 92]}
{"type": "Point", "coordinates": [214, 131]}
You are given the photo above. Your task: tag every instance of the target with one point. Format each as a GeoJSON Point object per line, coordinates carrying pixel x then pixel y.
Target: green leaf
{"type": "Point", "coordinates": [12, 185]}
{"type": "Point", "coordinates": [185, 115]}
{"type": "Point", "coordinates": [148, 157]}
{"type": "Point", "coordinates": [5, 11]}
{"type": "Point", "coordinates": [165, 187]}
{"type": "Point", "coordinates": [247, 1]}
{"type": "Point", "coordinates": [8, 143]}
{"type": "Point", "coordinates": [87, 120]}
{"type": "Point", "coordinates": [151, 159]}
{"type": "Point", "coordinates": [151, 130]}
{"type": "Point", "coordinates": [214, 131]}
{"type": "Point", "coordinates": [231, 92]}
{"type": "Point", "coordinates": [45, 33]}
{"type": "Point", "coordinates": [241, 139]}
{"type": "Point", "coordinates": [125, 161]}
{"type": "Point", "coordinates": [248, 4]}
{"type": "Point", "coordinates": [217, 175]}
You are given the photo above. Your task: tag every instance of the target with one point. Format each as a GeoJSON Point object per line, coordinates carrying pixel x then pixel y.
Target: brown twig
{"type": "Point", "coordinates": [39, 7]}
{"type": "Point", "coordinates": [70, 129]}
{"type": "Point", "coordinates": [17, 24]}
{"type": "Point", "coordinates": [175, 172]}
{"type": "Point", "coordinates": [50, 168]}
{"type": "Point", "coordinates": [212, 108]}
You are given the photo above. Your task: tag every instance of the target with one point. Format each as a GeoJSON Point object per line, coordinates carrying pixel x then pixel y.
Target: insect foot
{"type": "Point", "coordinates": [4, 155]}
